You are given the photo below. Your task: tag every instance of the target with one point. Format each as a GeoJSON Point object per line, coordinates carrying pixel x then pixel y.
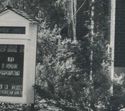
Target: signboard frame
{"type": "Point", "coordinates": [23, 98]}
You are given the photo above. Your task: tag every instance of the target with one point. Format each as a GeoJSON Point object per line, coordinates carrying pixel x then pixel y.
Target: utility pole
{"type": "Point", "coordinates": [112, 41]}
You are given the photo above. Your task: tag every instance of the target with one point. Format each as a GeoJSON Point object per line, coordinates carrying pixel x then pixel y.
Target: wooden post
{"type": "Point", "coordinates": [112, 41]}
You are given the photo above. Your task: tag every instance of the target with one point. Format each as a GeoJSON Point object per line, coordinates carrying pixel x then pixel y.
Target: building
{"type": "Point", "coordinates": [117, 36]}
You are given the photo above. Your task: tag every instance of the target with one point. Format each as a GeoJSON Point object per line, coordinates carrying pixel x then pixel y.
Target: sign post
{"type": "Point", "coordinates": [18, 34]}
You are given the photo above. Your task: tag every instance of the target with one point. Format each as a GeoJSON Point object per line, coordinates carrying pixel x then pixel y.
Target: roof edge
{"type": "Point", "coordinates": [20, 13]}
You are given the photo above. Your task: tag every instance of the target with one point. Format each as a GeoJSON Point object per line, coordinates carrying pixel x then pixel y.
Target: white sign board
{"type": "Point", "coordinates": [17, 57]}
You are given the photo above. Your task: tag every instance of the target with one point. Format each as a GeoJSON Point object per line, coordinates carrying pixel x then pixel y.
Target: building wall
{"type": "Point", "coordinates": [120, 34]}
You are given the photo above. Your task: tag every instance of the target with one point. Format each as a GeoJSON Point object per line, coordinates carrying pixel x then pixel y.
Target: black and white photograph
{"type": "Point", "coordinates": [62, 55]}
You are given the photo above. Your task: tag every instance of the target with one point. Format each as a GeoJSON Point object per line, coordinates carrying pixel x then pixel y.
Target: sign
{"type": "Point", "coordinates": [11, 70]}
{"type": "Point", "coordinates": [18, 41]}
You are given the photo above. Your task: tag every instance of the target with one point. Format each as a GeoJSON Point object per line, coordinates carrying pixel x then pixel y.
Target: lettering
{"type": "Point", "coordinates": [5, 86]}
{"type": "Point", "coordinates": [12, 49]}
{"type": "Point", "coordinates": [1, 86]}
{"type": "Point", "coordinates": [10, 92]}
{"type": "Point", "coordinates": [11, 66]}
{"type": "Point", "coordinates": [9, 73]}
{"type": "Point", "coordinates": [16, 87]}
{"type": "Point", "coordinates": [2, 48]}
{"type": "Point", "coordinates": [3, 66]}
{"type": "Point", "coordinates": [10, 86]}
{"type": "Point", "coordinates": [10, 59]}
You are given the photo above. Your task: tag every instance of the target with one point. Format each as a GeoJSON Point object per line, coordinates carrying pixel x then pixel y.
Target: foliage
{"type": "Point", "coordinates": [118, 99]}
{"type": "Point", "coordinates": [13, 107]}
{"type": "Point", "coordinates": [67, 76]}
